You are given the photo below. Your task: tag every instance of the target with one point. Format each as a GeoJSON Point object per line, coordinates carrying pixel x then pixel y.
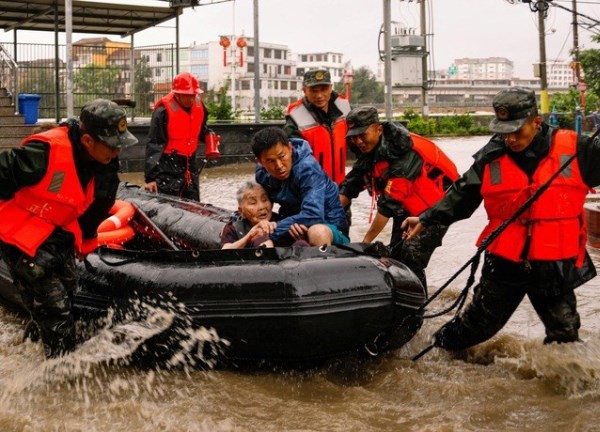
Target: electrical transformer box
{"type": "Point", "coordinates": [407, 71]}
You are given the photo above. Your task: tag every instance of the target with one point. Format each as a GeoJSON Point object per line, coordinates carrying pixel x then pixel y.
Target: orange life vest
{"type": "Point", "coordinates": [328, 146]}
{"type": "Point", "coordinates": [418, 195]}
{"type": "Point", "coordinates": [57, 200]}
{"type": "Point", "coordinates": [183, 128]}
{"type": "Point", "coordinates": [554, 223]}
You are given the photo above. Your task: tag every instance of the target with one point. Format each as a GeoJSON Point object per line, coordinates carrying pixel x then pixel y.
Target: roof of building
{"type": "Point", "coordinates": [87, 17]}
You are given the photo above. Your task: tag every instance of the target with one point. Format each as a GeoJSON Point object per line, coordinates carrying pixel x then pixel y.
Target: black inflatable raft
{"type": "Point", "coordinates": [290, 305]}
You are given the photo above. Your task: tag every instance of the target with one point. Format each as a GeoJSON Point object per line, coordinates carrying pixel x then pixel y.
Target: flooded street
{"type": "Point", "coordinates": [511, 383]}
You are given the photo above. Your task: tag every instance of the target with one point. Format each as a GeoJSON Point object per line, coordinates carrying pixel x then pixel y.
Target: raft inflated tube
{"type": "Point", "coordinates": [116, 236]}
{"type": "Point", "coordinates": [121, 213]}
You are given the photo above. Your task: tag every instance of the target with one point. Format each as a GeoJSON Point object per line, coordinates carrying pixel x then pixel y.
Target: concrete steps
{"type": "Point", "coordinates": [12, 125]}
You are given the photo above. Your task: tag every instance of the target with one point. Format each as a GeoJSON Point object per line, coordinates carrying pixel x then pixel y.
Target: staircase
{"type": "Point", "coordinates": [12, 126]}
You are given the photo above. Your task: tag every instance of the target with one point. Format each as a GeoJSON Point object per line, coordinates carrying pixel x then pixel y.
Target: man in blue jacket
{"type": "Point", "coordinates": [309, 202]}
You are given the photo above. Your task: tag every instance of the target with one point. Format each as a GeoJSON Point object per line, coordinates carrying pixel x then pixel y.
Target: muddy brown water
{"type": "Point", "coordinates": [511, 383]}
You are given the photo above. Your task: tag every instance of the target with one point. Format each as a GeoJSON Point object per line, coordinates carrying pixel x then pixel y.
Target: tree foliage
{"type": "Point", "coordinates": [590, 61]}
{"type": "Point", "coordinates": [94, 81]}
{"type": "Point", "coordinates": [275, 112]}
{"type": "Point", "coordinates": [143, 86]}
{"type": "Point", "coordinates": [365, 89]}
{"type": "Point", "coordinates": [218, 104]}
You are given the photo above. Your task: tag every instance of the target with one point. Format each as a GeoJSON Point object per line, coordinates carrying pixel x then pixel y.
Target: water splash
{"type": "Point", "coordinates": [571, 369]}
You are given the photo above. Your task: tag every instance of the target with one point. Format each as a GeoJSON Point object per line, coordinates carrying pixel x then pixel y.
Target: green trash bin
{"type": "Point", "coordinates": [29, 107]}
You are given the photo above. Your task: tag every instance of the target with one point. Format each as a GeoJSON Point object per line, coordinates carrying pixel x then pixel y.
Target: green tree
{"type": "Point", "coordinates": [94, 81]}
{"type": "Point", "coordinates": [143, 86]}
{"type": "Point", "coordinates": [218, 104]}
{"type": "Point", "coordinates": [365, 89]}
{"type": "Point", "coordinates": [590, 61]}
{"type": "Point", "coordinates": [276, 112]}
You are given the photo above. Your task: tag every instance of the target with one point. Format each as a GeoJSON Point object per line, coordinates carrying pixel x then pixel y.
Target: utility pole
{"type": "Point", "coordinates": [576, 43]}
{"type": "Point", "coordinates": [581, 86]}
{"type": "Point", "coordinates": [387, 37]}
{"type": "Point", "coordinates": [542, 8]}
{"type": "Point", "coordinates": [424, 72]}
{"type": "Point", "coordinates": [257, 101]}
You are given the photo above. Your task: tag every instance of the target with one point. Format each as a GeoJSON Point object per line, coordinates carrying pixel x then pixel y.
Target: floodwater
{"type": "Point", "coordinates": [511, 383]}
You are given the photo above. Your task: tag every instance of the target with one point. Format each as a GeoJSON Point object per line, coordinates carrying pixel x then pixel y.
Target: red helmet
{"type": "Point", "coordinates": [186, 83]}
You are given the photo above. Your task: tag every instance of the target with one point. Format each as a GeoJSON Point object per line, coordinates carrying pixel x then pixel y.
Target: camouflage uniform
{"type": "Point", "coordinates": [395, 146]}
{"type": "Point", "coordinates": [548, 284]}
{"type": "Point", "coordinates": [47, 280]}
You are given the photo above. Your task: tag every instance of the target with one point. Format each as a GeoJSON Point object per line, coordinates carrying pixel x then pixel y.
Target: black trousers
{"type": "Point", "coordinates": [494, 303]}
{"type": "Point", "coordinates": [47, 283]}
{"type": "Point", "coordinates": [416, 253]}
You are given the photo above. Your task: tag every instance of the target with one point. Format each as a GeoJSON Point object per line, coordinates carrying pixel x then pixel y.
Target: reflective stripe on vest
{"type": "Point", "coordinates": [554, 223]}
{"type": "Point", "coordinates": [57, 200]}
{"type": "Point", "coordinates": [183, 128]}
{"type": "Point", "coordinates": [328, 147]}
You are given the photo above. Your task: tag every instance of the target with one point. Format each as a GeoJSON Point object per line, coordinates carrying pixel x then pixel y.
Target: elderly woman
{"type": "Point", "coordinates": [255, 225]}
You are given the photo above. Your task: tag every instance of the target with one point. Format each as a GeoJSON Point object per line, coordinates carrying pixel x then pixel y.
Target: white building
{"type": "Point", "coordinates": [490, 68]}
{"type": "Point", "coordinates": [559, 74]}
{"type": "Point", "coordinates": [161, 62]}
{"type": "Point", "coordinates": [279, 81]}
{"type": "Point", "coordinates": [332, 61]}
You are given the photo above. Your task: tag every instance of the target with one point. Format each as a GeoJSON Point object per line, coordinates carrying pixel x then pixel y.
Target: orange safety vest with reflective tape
{"type": "Point", "coordinates": [328, 146]}
{"type": "Point", "coordinates": [183, 128]}
{"type": "Point", "coordinates": [555, 223]}
{"type": "Point", "coordinates": [57, 200]}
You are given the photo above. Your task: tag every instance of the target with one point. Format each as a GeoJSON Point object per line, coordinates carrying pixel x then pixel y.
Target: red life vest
{"type": "Point", "coordinates": [57, 200]}
{"type": "Point", "coordinates": [183, 128]}
{"type": "Point", "coordinates": [554, 223]}
{"type": "Point", "coordinates": [328, 146]}
{"type": "Point", "coordinates": [418, 195]}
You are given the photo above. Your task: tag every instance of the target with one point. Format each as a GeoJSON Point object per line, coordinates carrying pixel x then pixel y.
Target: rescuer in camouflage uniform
{"type": "Point", "coordinates": [541, 254]}
{"type": "Point", "coordinates": [60, 185]}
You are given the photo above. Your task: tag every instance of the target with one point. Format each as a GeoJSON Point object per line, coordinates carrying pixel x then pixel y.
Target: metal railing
{"type": "Point", "coordinates": [10, 73]}
{"type": "Point", "coordinates": [99, 71]}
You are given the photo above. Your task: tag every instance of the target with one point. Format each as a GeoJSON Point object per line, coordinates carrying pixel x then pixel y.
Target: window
{"type": "Point", "coordinates": [293, 85]}
{"type": "Point", "coordinates": [200, 54]}
{"type": "Point", "coordinates": [277, 53]}
{"type": "Point", "coordinates": [287, 70]}
{"type": "Point", "coordinates": [199, 70]}
{"type": "Point", "coordinates": [250, 67]}
{"type": "Point", "coordinates": [267, 52]}
{"type": "Point", "coordinates": [245, 85]}
{"type": "Point", "coordinates": [276, 85]}
{"type": "Point", "coordinates": [284, 85]}
{"type": "Point", "coordinates": [250, 50]}
{"type": "Point", "coordinates": [158, 57]}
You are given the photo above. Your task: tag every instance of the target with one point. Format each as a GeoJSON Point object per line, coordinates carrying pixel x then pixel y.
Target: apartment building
{"type": "Point", "coordinates": [235, 66]}
{"type": "Point", "coordinates": [489, 68]}
{"type": "Point", "coordinates": [332, 61]}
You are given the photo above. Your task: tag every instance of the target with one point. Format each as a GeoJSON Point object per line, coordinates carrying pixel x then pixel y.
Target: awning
{"type": "Point", "coordinates": [88, 17]}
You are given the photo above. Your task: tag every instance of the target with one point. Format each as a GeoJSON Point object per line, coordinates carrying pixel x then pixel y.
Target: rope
{"type": "Point", "coordinates": [474, 261]}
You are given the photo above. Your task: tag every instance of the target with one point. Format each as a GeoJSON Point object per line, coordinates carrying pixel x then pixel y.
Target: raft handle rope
{"type": "Point", "coordinates": [474, 260]}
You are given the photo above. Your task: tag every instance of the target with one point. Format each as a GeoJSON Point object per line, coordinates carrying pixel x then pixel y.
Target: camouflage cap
{"type": "Point", "coordinates": [513, 107]}
{"type": "Point", "coordinates": [359, 119]}
{"type": "Point", "coordinates": [107, 121]}
{"type": "Point", "coordinates": [316, 77]}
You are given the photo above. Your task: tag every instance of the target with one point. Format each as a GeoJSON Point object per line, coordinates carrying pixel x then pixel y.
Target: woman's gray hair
{"type": "Point", "coordinates": [243, 188]}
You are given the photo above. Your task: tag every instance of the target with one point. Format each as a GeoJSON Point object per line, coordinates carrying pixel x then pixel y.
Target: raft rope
{"type": "Point", "coordinates": [474, 261]}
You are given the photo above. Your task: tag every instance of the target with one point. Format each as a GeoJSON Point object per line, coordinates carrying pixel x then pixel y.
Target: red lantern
{"type": "Point", "coordinates": [224, 42]}
{"type": "Point", "coordinates": [241, 44]}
